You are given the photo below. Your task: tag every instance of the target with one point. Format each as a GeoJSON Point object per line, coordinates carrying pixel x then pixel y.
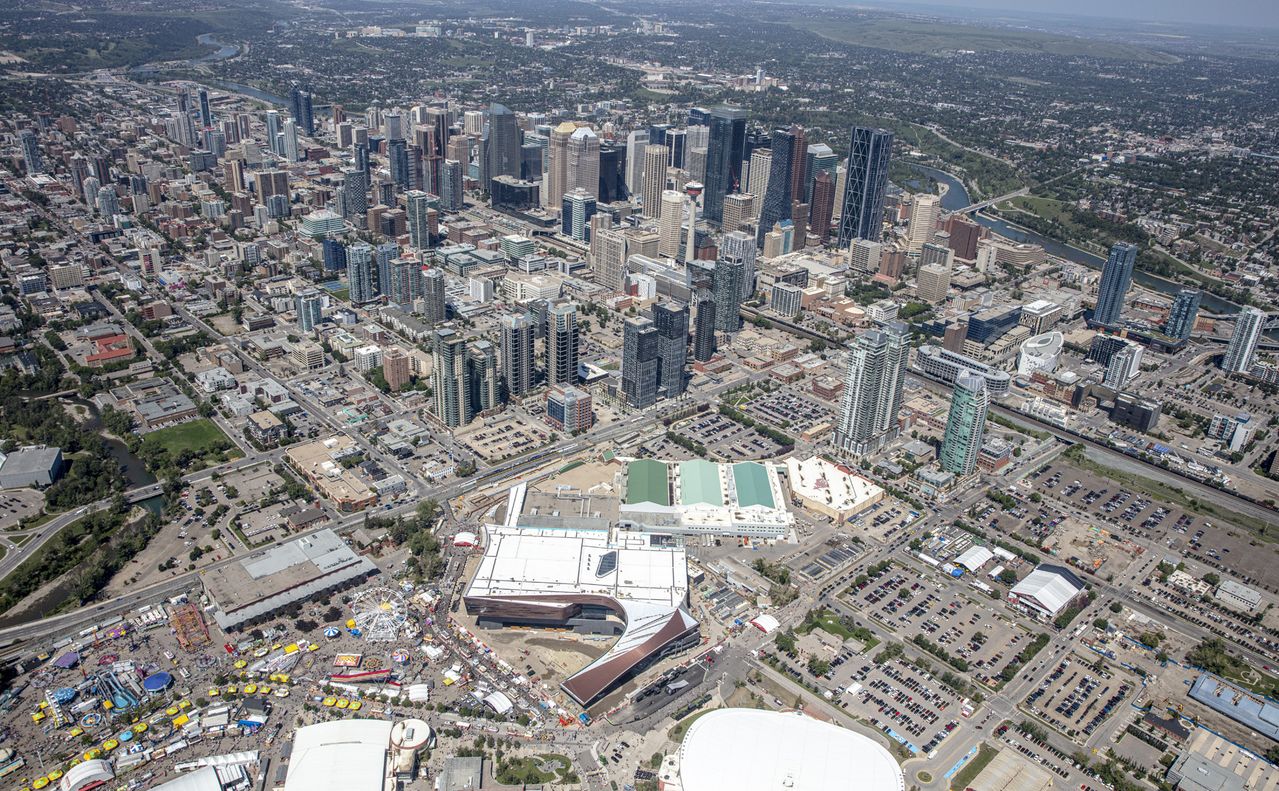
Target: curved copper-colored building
{"type": "Point", "coordinates": [592, 581]}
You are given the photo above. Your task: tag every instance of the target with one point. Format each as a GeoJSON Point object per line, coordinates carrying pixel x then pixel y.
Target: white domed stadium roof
{"type": "Point", "coordinates": [754, 750]}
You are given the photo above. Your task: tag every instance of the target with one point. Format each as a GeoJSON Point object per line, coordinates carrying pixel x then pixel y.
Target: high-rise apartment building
{"type": "Point", "coordinates": [486, 381]}
{"type": "Point", "coordinates": [1116, 277]}
{"type": "Point", "coordinates": [561, 343]}
{"type": "Point", "coordinates": [932, 283]}
{"type": "Point", "coordinates": [1243, 343]}
{"type": "Point", "coordinates": [418, 218]}
{"type": "Point", "coordinates": [435, 309]}
{"type": "Point", "coordinates": [873, 389]}
{"type": "Point", "coordinates": [965, 425]}
{"type": "Point", "coordinates": [726, 288]}
{"type": "Point", "coordinates": [639, 362]}
{"type": "Point", "coordinates": [452, 382]}
{"type": "Point", "coordinates": [1182, 315]}
{"type": "Point", "coordinates": [361, 273]}
{"type": "Point", "coordinates": [671, 320]}
{"type": "Point", "coordinates": [517, 353]}
{"type": "Point", "coordinates": [704, 328]}
{"type": "Point", "coordinates": [309, 307]}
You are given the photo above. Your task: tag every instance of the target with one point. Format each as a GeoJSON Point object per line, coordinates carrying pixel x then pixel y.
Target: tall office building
{"type": "Point", "coordinates": [206, 115]}
{"type": "Point", "coordinates": [636, 142]}
{"type": "Point", "coordinates": [671, 320]}
{"type": "Point", "coordinates": [334, 255]}
{"type": "Point", "coordinates": [704, 328]}
{"type": "Point", "coordinates": [966, 424]}
{"type": "Point", "coordinates": [865, 184]}
{"type": "Point", "coordinates": [309, 306]}
{"type": "Point", "coordinates": [924, 211]}
{"type": "Point", "coordinates": [418, 219]}
{"type": "Point", "coordinates": [31, 152]}
{"type": "Point", "coordinates": [653, 182]}
{"type": "Point", "coordinates": [583, 161]}
{"type": "Point", "coordinates": [1182, 315]}
{"type": "Point", "coordinates": [932, 283]}
{"type": "Point", "coordinates": [670, 223]}
{"type": "Point", "coordinates": [185, 129]}
{"type": "Point", "coordinates": [777, 200]}
{"type": "Point", "coordinates": [556, 184]}
{"type": "Point", "coordinates": [639, 362]}
{"type": "Point", "coordinates": [361, 273]}
{"type": "Point", "coordinates": [397, 156]}
{"type": "Point", "coordinates": [394, 125]}
{"type": "Point", "coordinates": [517, 353]}
{"type": "Point", "coordinates": [612, 180]}
{"type": "Point", "coordinates": [355, 193]}
{"type": "Point", "coordinates": [576, 210]}
{"type": "Point", "coordinates": [1243, 343]}
{"type": "Point", "coordinates": [798, 165]}
{"type": "Point", "coordinates": [873, 389]}
{"type": "Point", "coordinates": [820, 158]}
{"type": "Point", "coordinates": [823, 205]}
{"type": "Point", "coordinates": [486, 380]}
{"type": "Point", "coordinates": [724, 149]}
{"type": "Point", "coordinates": [608, 257]}
{"type": "Point", "coordinates": [1116, 277]}
{"type": "Point", "coordinates": [726, 288]}
{"type": "Point", "coordinates": [452, 382]}
{"type": "Point", "coordinates": [435, 308]}
{"type": "Point", "coordinates": [739, 209]}
{"type": "Point", "coordinates": [436, 119]}
{"type": "Point", "coordinates": [502, 148]}
{"type": "Point", "coordinates": [451, 185]}
{"type": "Point", "coordinates": [757, 177]}
{"type": "Point", "coordinates": [561, 343]}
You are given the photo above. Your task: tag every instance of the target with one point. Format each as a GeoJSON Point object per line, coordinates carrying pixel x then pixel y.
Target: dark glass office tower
{"type": "Point", "coordinates": [867, 180]}
{"type": "Point", "coordinates": [1116, 277]}
{"type": "Point", "coordinates": [726, 142]}
{"type": "Point", "coordinates": [502, 148]}
{"type": "Point", "coordinates": [777, 200]}
{"type": "Point", "coordinates": [672, 346]}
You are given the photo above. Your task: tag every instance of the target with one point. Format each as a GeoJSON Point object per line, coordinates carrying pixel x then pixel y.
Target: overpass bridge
{"type": "Point", "coordinates": [974, 207]}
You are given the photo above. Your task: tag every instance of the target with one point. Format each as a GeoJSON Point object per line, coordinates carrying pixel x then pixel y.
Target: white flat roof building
{"type": "Point", "coordinates": [1046, 591]}
{"type": "Point", "coordinates": [340, 754]}
{"type": "Point", "coordinates": [830, 489]}
{"type": "Point", "coordinates": [974, 558]}
{"type": "Point", "coordinates": [756, 750]}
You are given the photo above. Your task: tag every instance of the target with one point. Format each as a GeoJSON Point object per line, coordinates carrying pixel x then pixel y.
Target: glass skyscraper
{"type": "Point", "coordinates": [724, 149]}
{"type": "Point", "coordinates": [966, 424]}
{"type": "Point", "coordinates": [873, 389]}
{"type": "Point", "coordinates": [866, 182]}
{"type": "Point", "coordinates": [1116, 277]}
{"type": "Point", "coordinates": [777, 200]}
{"type": "Point", "coordinates": [360, 271]}
{"type": "Point", "coordinates": [1181, 318]}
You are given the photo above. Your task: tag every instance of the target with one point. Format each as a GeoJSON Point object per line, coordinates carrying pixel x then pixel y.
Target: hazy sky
{"type": "Point", "coordinates": [1244, 13]}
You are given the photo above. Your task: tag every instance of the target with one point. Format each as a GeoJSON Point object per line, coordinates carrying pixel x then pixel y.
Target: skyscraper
{"type": "Point", "coordinates": [1116, 277]}
{"type": "Point", "coordinates": [561, 343]}
{"type": "Point", "coordinates": [1243, 343]}
{"type": "Point", "coordinates": [724, 147]}
{"type": "Point", "coordinates": [862, 204]}
{"type": "Point", "coordinates": [757, 177]}
{"type": "Point", "coordinates": [486, 382]}
{"type": "Point", "coordinates": [823, 205]}
{"type": "Point", "coordinates": [654, 179]}
{"type": "Point", "coordinates": [583, 161]}
{"type": "Point", "coordinates": [405, 281]}
{"type": "Point", "coordinates": [726, 289]}
{"type": "Point", "coordinates": [418, 219]}
{"type": "Point", "coordinates": [31, 152]}
{"type": "Point", "coordinates": [671, 320]}
{"type": "Point", "coordinates": [361, 273]}
{"type": "Point", "coordinates": [1182, 315]}
{"type": "Point", "coordinates": [556, 183]}
{"type": "Point", "coordinates": [777, 200]}
{"type": "Point", "coordinates": [639, 362]}
{"type": "Point", "coordinates": [924, 211]}
{"type": "Point", "coordinates": [636, 142]}
{"type": "Point", "coordinates": [435, 308]}
{"type": "Point", "coordinates": [309, 306]}
{"type": "Point", "coordinates": [704, 328]}
{"type": "Point", "coordinates": [289, 141]}
{"type": "Point", "coordinates": [273, 133]}
{"type": "Point", "coordinates": [502, 149]}
{"type": "Point", "coordinates": [108, 202]}
{"type": "Point", "coordinates": [452, 383]}
{"type": "Point", "coordinates": [576, 210]}
{"type": "Point", "coordinates": [397, 156]}
{"type": "Point", "coordinates": [873, 389]}
{"type": "Point", "coordinates": [451, 185]}
{"type": "Point", "coordinates": [355, 194]}
{"type": "Point", "coordinates": [820, 159]}
{"type": "Point", "coordinates": [798, 165]}
{"type": "Point", "coordinates": [965, 425]}
{"type": "Point", "coordinates": [670, 222]}
{"type": "Point", "coordinates": [206, 116]}
{"type": "Point", "coordinates": [517, 353]}
{"type": "Point", "coordinates": [300, 109]}
{"type": "Point", "coordinates": [739, 244]}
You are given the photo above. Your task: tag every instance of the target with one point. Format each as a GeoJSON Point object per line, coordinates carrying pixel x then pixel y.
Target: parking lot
{"type": "Point", "coordinates": [1129, 513]}
{"type": "Point", "coordinates": [1077, 697]}
{"type": "Point", "coordinates": [898, 698]}
{"type": "Point", "coordinates": [501, 437]}
{"type": "Point", "coordinates": [941, 619]}
{"type": "Point", "coordinates": [18, 504]}
{"type": "Point", "coordinates": [789, 410]}
{"type": "Point", "coordinates": [727, 439]}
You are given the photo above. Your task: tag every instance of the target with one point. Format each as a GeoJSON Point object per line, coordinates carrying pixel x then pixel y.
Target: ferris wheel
{"type": "Point", "coordinates": [382, 615]}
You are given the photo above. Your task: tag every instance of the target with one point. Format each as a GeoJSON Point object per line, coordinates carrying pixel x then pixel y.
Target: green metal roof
{"type": "Point", "coordinates": [699, 483]}
{"type": "Point", "coordinates": [646, 483]}
{"type": "Point", "coordinates": [751, 480]}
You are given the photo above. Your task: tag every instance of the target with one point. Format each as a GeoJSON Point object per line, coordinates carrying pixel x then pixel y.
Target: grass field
{"type": "Point", "coordinates": [931, 37]}
{"type": "Point", "coordinates": [678, 730]}
{"type": "Point", "coordinates": [196, 435]}
{"type": "Point", "coordinates": [964, 777]}
{"type": "Point", "coordinates": [829, 622]}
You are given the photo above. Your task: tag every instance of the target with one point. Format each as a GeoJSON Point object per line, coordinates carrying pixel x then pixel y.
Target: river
{"type": "Point", "coordinates": [135, 472]}
{"type": "Point", "coordinates": [956, 197]}
{"type": "Point", "coordinates": [223, 52]}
